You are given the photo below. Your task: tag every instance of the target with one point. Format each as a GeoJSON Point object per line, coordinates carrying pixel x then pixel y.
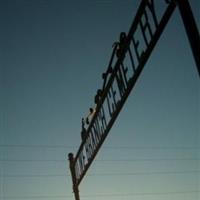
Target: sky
{"type": "Point", "coordinates": [52, 56]}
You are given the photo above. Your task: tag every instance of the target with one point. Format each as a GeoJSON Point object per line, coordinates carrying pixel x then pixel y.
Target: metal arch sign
{"type": "Point", "coordinates": [128, 59]}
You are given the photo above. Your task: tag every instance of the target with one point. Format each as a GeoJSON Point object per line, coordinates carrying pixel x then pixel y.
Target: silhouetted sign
{"type": "Point", "coordinates": [129, 56]}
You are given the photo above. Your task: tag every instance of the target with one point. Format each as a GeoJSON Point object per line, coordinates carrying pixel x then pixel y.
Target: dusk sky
{"type": "Point", "coordinates": [52, 56]}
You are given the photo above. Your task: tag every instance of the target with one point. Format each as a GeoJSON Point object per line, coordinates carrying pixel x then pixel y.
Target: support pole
{"type": "Point", "coordinates": [191, 29]}
{"type": "Point", "coordinates": [73, 175]}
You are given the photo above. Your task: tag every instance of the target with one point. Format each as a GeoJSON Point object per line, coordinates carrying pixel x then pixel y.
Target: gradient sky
{"type": "Point", "coordinates": [52, 56]}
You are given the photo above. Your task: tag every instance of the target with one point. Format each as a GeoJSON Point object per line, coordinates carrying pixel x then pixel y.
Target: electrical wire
{"type": "Point", "coordinates": [106, 147]}
{"type": "Point", "coordinates": [104, 195]}
{"type": "Point", "coordinates": [105, 160]}
{"type": "Point", "coordinates": [99, 174]}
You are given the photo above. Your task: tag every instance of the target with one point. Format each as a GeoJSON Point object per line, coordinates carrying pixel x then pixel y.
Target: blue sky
{"type": "Point", "coordinates": [52, 56]}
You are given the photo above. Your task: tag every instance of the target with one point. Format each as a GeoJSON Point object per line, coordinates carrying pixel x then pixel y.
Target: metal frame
{"type": "Point", "coordinates": [119, 79]}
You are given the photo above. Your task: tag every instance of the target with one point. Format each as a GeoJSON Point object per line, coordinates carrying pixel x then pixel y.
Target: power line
{"type": "Point", "coordinates": [106, 147]}
{"type": "Point", "coordinates": [149, 147]}
{"type": "Point", "coordinates": [28, 160]}
{"type": "Point", "coordinates": [149, 159]}
{"type": "Point", "coordinates": [104, 195]}
{"type": "Point", "coordinates": [98, 174]}
{"type": "Point", "coordinates": [143, 173]}
{"type": "Point", "coordinates": [35, 146]}
{"type": "Point", "coordinates": [34, 175]}
{"type": "Point", "coordinates": [106, 160]}
{"type": "Point", "coordinates": [141, 194]}
{"type": "Point", "coordinates": [37, 197]}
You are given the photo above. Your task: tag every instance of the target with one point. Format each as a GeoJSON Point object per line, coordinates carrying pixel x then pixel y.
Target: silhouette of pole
{"type": "Point", "coordinates": [73, 175]}
{"type": "Point", "coordinates": [191, 30]}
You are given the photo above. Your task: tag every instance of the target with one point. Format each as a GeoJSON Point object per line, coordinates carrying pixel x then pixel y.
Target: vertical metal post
{"type": "Point", "coordinates": [72, 169]}
{"type": "Point", "coordinates": [191, 29]}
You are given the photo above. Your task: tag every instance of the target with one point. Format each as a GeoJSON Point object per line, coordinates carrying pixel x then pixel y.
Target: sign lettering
{"type": "Point", "coordinates": [128, 60]}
